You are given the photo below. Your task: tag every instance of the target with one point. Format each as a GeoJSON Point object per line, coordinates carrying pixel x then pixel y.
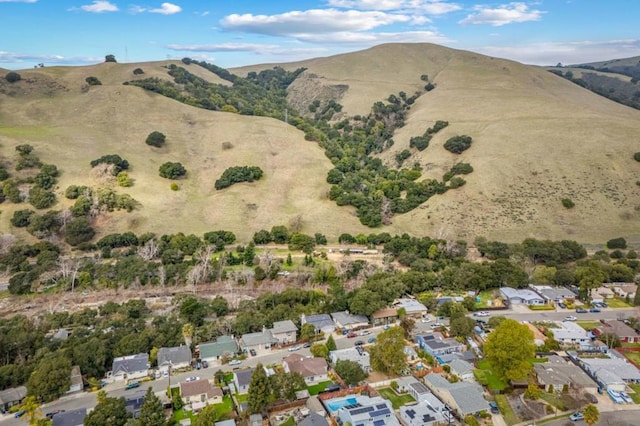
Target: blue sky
{"type": "Point", "coordinates": [241, 32]}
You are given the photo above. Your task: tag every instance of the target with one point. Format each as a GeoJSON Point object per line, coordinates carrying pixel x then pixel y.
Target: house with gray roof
{"type": "Point", "coordinates": [70, 417]}
{"type": "Point", "coordinates": [347, 321]}
{"type": "Point", "coordinates": [322, 322]}
{"type": "Point", "coordinates": [130, 367]}
{"type": "Point", "coordinates": [175, 357]}
{"type": "Point", "coordinates": [425, 413]}
{"type": "Point", "coordinates": [260, 342]}
{"type": "Point", "coordinates": [77, 384]}
{"type": "Point", "coordinates": [374, 411]}
{"type": "Point", "coordinates": [242, 379]}
{"type": "Point", "coordinates": [625, 333]}
{"type": "Point", "coordinates": [436, 344]}
{"type": "Point", "coordinates": [553, 293]}
{"type": "Point", "coordinates": [462, 369]}
{"type": "Point", "coordinates": [213, 352]}
{"type": "Point", "coordinates": [229, 422]}
{"type": "Point", "coordinates": [412, 307]}
{"type": "Point", "coordinates": [559, 375]}
{"type": "Point", "coordinates": [352, 354]}
{"type": "Point", "coordinates": [568, 333]}
{"type": "Point", "coordinates": [284, 331]}
{"type": "Point", "coordinates": [463, 397]}
{"type": "Point", "coordinates": [313, 419]}
{"type": "Point", "coordinates": [523, 296]}
{"type": "Point", "coordinates": [12, 396]}
{"type": "Point", "coordinates": [611, 373]}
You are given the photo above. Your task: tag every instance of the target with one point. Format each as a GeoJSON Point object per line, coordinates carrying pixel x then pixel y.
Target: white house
{"type": "Point", "coordinates": [175, 357]}
{"type": "Point", "coordinates": [521, 296]}
{"type": "Point", "coordinates": [313, 370]}
{"type": "Point", "coordinates": [347, 321]}
{"type": "Point", "coordinates": [130, 367]}
{"type": "Point", "coordinates": [284, 331]}
{"type": "Point", "coordinates": [260, 342]}
{"type": "Point", "coordinates": [462, 369]}
{"type": "Point", "coordinates": [242, 379]}
{"type": "Point", "coordinates": [570, 333]}
{"type": "Point", "coordinates": [200, 393]}
{"type": "Point", "coordinates": [352, 354]}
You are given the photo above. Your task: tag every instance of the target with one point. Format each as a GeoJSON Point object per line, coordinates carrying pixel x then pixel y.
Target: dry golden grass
{"type": "Point", "coordinates": [537, 138]}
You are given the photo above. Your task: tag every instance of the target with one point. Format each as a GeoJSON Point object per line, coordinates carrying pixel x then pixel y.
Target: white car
{"type": "Point", "coordinates": [295, 348]}
{"type": "Point", "coordinates": [192, 379]}
{"type": "Point", "coordinates": [365, 333]}
{"type": "Point", "coordinates": [482, 314]}
{"type": "Point", "coordinates": [235, 362]}
{"type": "Point", "coordinates": [570, 318]}
{"type": "Point", "coordinates": [425, 320]}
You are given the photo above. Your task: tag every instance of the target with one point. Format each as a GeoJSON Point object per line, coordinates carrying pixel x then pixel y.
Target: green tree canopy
{"type": "Point", "coordinates": [156, 139]}
{"type": "Point", "coordinates": [260, 392]}
{"type": "Point", "coordinates": [51, 379]}
{"type": "Point", "coordinates": [387, 354]}
{"type": "Point", "coordinates": [591, 414]}
{"type": "Point", "coordinates": [109, 411]}
{"type": "Point", "coordinates": [151, 412]}
{"type": "Point", "coordinates": [171, 170]}
{"type": "Point", "coordinates": [350, 371]}
{"type": "Point", "coordinates": [509, 350]}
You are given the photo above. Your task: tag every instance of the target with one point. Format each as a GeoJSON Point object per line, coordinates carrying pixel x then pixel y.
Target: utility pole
{"type": "Point", "coordinates": [286, 115]}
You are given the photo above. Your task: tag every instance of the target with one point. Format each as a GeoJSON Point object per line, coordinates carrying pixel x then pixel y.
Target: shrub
{"type": "Point", "coordinates": [119, 162]}
{"type": "Point", "coordinates": [11, 191]}
{"type": "Point", "coordinates": [617, 243]}
{"type": "Point", "coordinates": [110, 58]}
{"type": "Point", "coordinates": [78, 231]}
{"type": "Point", "coordinates": [93, 81]}
{"type": "Point", "coordinates": [458, 144]}
{"type": "Point", "coordinates": [156, 139]}
{"type": "Point", "coordinates": [4, 174]}
{"type": "Point", "coordinates": [138, 71]}
{"type": "Point", "coordinates": [22, 218]}
{"type": "Point", "coordinates": [636, 156]}
{"type": "Point", "coordinates": [124, 180]}
{"type": "Point", "coordinates": [227, 145]}
{"type": "Point", "coordinates": [41, 198]}
{"type": "Point", "coordinates": [171, 170]}
{"type": "Point", "coordinates": [74, 191]}
{"type": "Point", "coordinates": [420, 142]}
{"type": "Point", "coordinates": [402, 155]}
{"type": "Point", "coordinates": [238, 174]}
{"type": "Point", "coordinates": [568, 203]}
{"type": "Point", "coordinates": [174, 186]}
{"type": "Point", "coordinates": [12, 77]}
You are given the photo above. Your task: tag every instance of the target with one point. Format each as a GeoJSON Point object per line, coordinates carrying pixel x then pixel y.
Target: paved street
{"type": "Point", "coordinates": [611, 418]}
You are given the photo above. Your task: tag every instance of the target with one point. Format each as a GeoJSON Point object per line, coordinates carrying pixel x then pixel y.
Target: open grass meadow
{"type": "Point", "coordinates": [516, 187]}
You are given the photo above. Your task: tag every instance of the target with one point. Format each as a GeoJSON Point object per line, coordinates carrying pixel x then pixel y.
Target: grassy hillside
{"type": "Point", "coordinates": [537, 138]}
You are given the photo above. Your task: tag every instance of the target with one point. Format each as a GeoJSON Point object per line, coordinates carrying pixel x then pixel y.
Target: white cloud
{"type": "Point", "coordinates": [18, 1]}
{"type": "Point", "coordinates": [314, 21]}
{"type": "Point", "coordinates": [368, 39]}
{"type": "Point", "coordinates": [167, 9]}
{"type": "Point", "coordinates": [576, 52]}
{"type": "Point", "coordinates": [222, 47]}
{"type": "Point", "coordinates": [432, 7]}
{"type": "Point", "coordinates": [10, 57]}
{"type": "Point", "coordinates": [502, 15]}
{"type": "Point", "coordinates": [100, 6]}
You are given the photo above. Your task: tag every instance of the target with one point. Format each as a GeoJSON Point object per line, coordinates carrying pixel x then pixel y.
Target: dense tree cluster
{"type": "Point", "coordinates": [238, 174]}
{"type": "Point", "coordinates": [458, 144]}
{"type": "Point", "coordinates": [172, 170]}
{"type": "Point", "coordinates": [118, 162]}
{"type": "Point", "coordinates": [422, 142]}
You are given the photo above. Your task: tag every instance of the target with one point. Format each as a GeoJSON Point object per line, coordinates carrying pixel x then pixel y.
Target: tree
{"type": "Point", "coordinates": [33, 413]}
{"type": "Point", "coordinates": [41, 198]}
{"type": "Point", "coordinates": [170, 170]}
{"type": "Point", "coordinates": [260, 392]}
{"type": "Point", "coordinates": [156, 139]}
{"type": "Point", "coordinates": [591, 414]}
{"type": "Point", "coordinates": [93, 81]}
{"type": "Point", "coordinates": [109, 411]}
{"type": "Point", "coordinates": [249, 253]}
{"type": "Point", "coordinates": [462, 326]}
{"type": "Point", "coordinates": [220, 306]}
{"type": "Point", "coordinates": [207, 416]}
{"type": "Point", "coordinates": [302, 242]}
{"type": "Point", "coordinates": [387, 354]}
{"type": "Point", "coordinates": [350, 371]}
{"type": "Point", "coordinates": [110, 58]}
{"type": "Point", "coordinates": [331, 344]}
{"type": "Point", "coordinates": [319, 350]}
{"type": "Point", "coordinates": [458, 144]}
{"type": "Point", "coordinates": [151, 412]}
{"type": "Point", "coordinates": [617, 243]}
{"type": "Point", "coordinates": [610, 339]}
{"type": "Point", "coordinates": [509, 350]}
{"type": "Point", "coordinates": [407, 324]}
{"type": "Point", "coordinates": [78, 231]}
{"type": "Point", "coordinates": [12, 77]}
{"type": "Point", "coordinates": [285, 385]}
{"type": "Point", "coordinates": [533, 392]}
{"type": "Point", "coordinates": [51, 379]}
{"type": "Point", "coordinates": [307, 331]}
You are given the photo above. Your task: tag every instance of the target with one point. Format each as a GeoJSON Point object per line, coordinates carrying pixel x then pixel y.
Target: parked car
{"type": "Point", "coordinates": [253, 352]}
{"type": "Point", "coordinates": [333, 387]}
{"type": "Point", "coordinates": [351, 335]}
{"type": "Point", "coordinates": [481, 314]}
{"type": "Point", "coordinates": [132, 385]}
{"type": "Point", "coordinates": [50, 414]}
{"type": "Point", "coordinates": [577, 416]}
{"type": "Point", "coordinates": [365, 333]}
{"type": "Point", "coordinates": [165, 373]}
{"type": "Point", "coordinates": [307, 345]}
{"type": "Point", "coordinates": [570, 318]}
{"type": "Point", "coordinates": [359, 343]}
{"type": "Point", "coordinates": [371, 339]}
{"type": "Point", "coordinates": [594, 310]}
{"type": "Point", "coordinates": [425, 320]}
{"type": "Point", "coordinates": [591, 398]}
{"type": "Point", "coordinates": [205, 364]}
{"type": "Point", "coordinates": [235, 362]}
{"type": "Point", "coordinates": [386, 327]}
{"type": "Point", "coordinates": [192, 379]}
{"type": "Point", "coordinates": [19, 414]}
{"type": "Point", "coordinates": [603, 305]}
{"type": "Point", "coordinates": [494, 407]}
{"type": "Point", "coordinates": [625, 396]}
{"type": "Point", "coordinates": [581, 310]}
{"type": "Point", "coordinates": [295, 348]}
{"type": "Point", "coordinates": [562, 305]}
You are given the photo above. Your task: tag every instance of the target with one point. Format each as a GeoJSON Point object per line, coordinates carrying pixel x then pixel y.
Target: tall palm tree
{"type": "Point", "coordinates": [591, 414]}
{"type": "Point", "coordinates": [32, 410]}
{"type": "Point", "coordinates": [187, 333]}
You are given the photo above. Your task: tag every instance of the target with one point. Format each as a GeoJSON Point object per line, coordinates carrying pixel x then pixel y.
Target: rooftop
{"type": "Point", "coordinates": [306, 366]}
{"type": "Point", "coordinates": [523, 293]}
{"type": "Point", "coordinates": [243, 376]}
{"type": "Point", "coordinates": [263, 337]}
{"type": "Point", "coordinates": [345, 318]}
{"type": "Point", "coordinates": [410, 305]}
{"type": "Point", "coordinates": [618, 328]}
{"type": "Point", "coordinates": [131, 363]}
{"type": "Point", "coordinates": [199, 387]}
{"type": "Point", "coordinates": [467, 396]}
{"type": "Point", "coordinates": [283, 327]}
{"type": "Point", "coordinates": [222, 345]}
{"type": "Point", "coordinates": [175, 355]}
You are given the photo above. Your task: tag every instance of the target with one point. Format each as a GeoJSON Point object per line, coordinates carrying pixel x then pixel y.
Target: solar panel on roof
{"type": "Point", "coordinates": [381, 406]}
{"type": "Point", "coordinates": [411, 414]}
{"type": "Point", "coordinates": [361, 410]}
{"type": "Point", "coordinates": [379, 423]}
{"type": "Point", "coordinates": [380, 413]}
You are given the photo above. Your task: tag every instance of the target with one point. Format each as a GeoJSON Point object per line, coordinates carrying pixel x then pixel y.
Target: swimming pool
{"type": "Point", "coordinates": [336, 404]}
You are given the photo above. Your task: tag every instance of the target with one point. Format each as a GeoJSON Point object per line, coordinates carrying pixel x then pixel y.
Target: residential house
{"type": "Point", "coordinates": [12, 396]}
{"type": "Point", "coordinates": [130, 367]}
{"type": "Point", "coordinates": [352, 354]}
{"type": "Point", "coordinates": [553, 293]}
{"type": "Point", "coordinates": [538, 336]}
{"type": "Point", "coordinates": [200, 393]}
{"type": "Point", "coordinates": [346, 321]}
{"type": "Point", "coordinates": [569, 333]}
{"type": "Point", "coordinates": [367, 411]}
{"type": "Point", "coordinates": [625, 333]}
{"type": "Point", "coordinates": [429, 412]}
{"type": "Point", "coordinates": [260, 342]}
{"type": "Point", "coordinates": [214, 352]}
{"type": "Point", "coordinates": [284, 331]}
{"type": "Point", "coordinates": [229, 422]}
{"type": "Point", "coordinates": [313, 370]}
{"type": "Point", "coordinates": [462, 369]}
{"type": "Point", "coordinates": [411, 353]}
{"type": "Point", "coordinates": [175, 357]}
{"type": "Point", "coordinates": [463, 397]}
{"type": "Point", "coordinates": [610, 373]}
{"type": "Point", "coordinates": [70, 417]}
{"type": "Point", "coordinates": [413, 387]}
{"type": "Point", "coordinates": [558, 376]}
{"type": "Point", "coordinates": [601, 294]}
{"type": "Point", "coordinates": [384, 316]}
{"type": "Point", "coordinates": [412, 307]}
{"type": "Point", "coordinates": [76, 380]}
{"type": "Point", "coordinates": [242, 379]}
{"type": "Point", "coordinates": [313, 419]}
{"type": "Point", "coordinates": [624, 290]}
{"type": "Point", "coordinates": [436, 344]}
{"type": "Point", "coordinates": [522, 296]}
{"type": "Point", "coordinates": [322, 322]}
{"type": "Point", "coordinates": [133, 403]}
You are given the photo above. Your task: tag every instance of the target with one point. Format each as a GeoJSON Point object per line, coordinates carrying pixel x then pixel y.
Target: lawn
{"type": "Point", "coordinates": [616, 302]}
{"type": "Point", "coordinates": [182, 414]}
{"type": "Point", "coordinates": [633, 356]}
{"type": "Point", "coordinates": [485, 377]}
{"type": "Point", "coordinates": [396, 400]}
{"type": "Point", "coordinates": [225, 407]}
{"type": "Point", "coordinates": [316, 389]}
{"type": "Point", "coordinates": [635, 395]}
{"type": "Point", "coordinates": [290, 422]}
{"type": "Point", "coordinates": [555, 400]}
{"type": "Point", "coordinates": [505, 409]}
{"type": "Point", "coordinates": [589, 325]}
{"type": "Point", "coordinates": [242, 398]}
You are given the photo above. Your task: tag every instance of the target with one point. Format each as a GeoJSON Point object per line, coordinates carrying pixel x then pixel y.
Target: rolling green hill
{"type": "Point", "coordinates": [537, 138]}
